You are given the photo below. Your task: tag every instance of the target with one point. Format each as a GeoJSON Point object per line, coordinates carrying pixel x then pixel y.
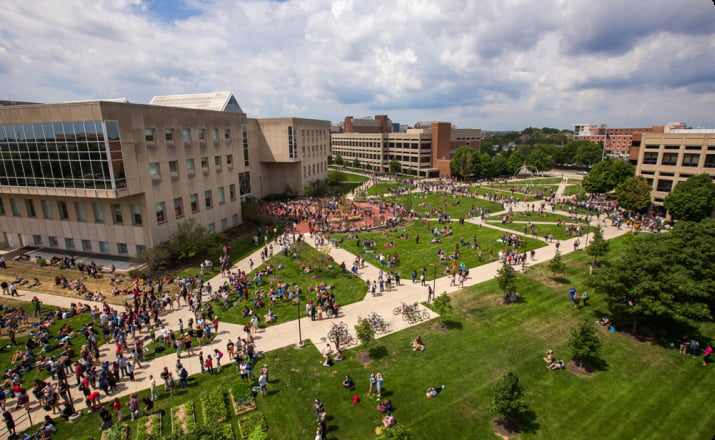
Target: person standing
{"type": "Point", "coordinates": [373, 381]}
{"type": "Point", "coordinates": [430, 294]}
{"type": "Point", "coordinates": [378, 383]}
{"type": "Point", "coordinates": [706, 354]}
{"type": "Point", "coordinates": [152, 386]}
{"type": "Point", "coordinates": [9, 421]}
{"type": "Point", "coordinates": [263, 383]}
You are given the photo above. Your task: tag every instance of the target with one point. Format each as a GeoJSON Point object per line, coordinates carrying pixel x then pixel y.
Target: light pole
{"type": "Point", "coordinates": [434, 281]}
{"type": "Point", "coordinates": [300, 334]}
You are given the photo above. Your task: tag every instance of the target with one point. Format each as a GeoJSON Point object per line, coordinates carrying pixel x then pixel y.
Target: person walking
{"type": "Point", "coordinates": [430, 294]}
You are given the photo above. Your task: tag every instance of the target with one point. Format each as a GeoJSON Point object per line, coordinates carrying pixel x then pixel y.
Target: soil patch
{"type": "Point", "coordinates": [363, 357]}
{"type": "Point", "coordinates": [506, 427]}
{"type": "Point", "coordinates": [585, 370]}
{"type": "Point", "coordinates": [441, 327]}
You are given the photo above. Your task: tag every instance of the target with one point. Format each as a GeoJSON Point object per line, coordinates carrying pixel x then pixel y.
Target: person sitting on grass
{"type": "Point", "coordinates": [549, 357]}
{"type": "Point", "coordinates": [556, 365]}
{"type": "Point", "coordinates": [388, 421]}
{"type": "Point", "coordinates": [348, 383]}
{"type": "Point", "coordinates": [433, 391]}
{"type": "Point", "coordinates": [385, 406]}
{"type": "Point", "coordinates": [339, 357]}
{"type": "Point", "coordinates": [417, 344]}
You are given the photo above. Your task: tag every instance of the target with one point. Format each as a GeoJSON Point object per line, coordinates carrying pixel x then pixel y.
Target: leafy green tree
{"type": "Point", "coordinates": [584, 343]}
{"type": "Point", "coordinates": [588, 154]}
{"type": "Point", "coordinates": [487, 165]}
{"type": "Point", "coordinates": [606, 175]}
{"type": "Point", "coordinates": [506, 277]}
{"type": "Point", "coordinates": [515, 162]}
{"type": "Point", "coordinates": [538, 159]}
{"type": "Point", "coordinates": [663, 280]}
{"type": "Point", "coordinates": [443, 304]}
{"type": "Point", "coordinates": [462, 164]}
{"type": "Point", "coordinates": [692, 200]}
{"type": "Point", "coordinates": [364, 331]}
{"type": "Point", "coordinates": [188, 241]}
{"type": "Point", "coordinates": [395, 166]}
{"type": "Point", "coordinates": [356, 163]}
{"type": "Point", "coordinates": [598, 246]}
{"type": "Point", "coordinates": [556, 265]}
{"type": "Point", "coordinates": [508, 397]}
{"type": "Point", "coordinates": [338, 160]}
{"type": "Point", "coordinates": [499, 163]}
{"type": "Point", "coordinates": [633, 194]}
{"type": "Point", "coordinates": [335, 177]}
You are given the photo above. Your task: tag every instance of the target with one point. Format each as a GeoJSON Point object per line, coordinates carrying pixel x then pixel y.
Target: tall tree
{"type": "Point", "coordinates": [608, 174]}
{"type": "Point", "coordinates": [506, 277]}
{"type": "Point", "coordinates": [487, 165]}
{"type": "Point", "coordinates": [584, 343]}
{"type": "Point", "coordinates": [556, 265]}
{"type": "Point", "coordinates": [395, 166]}
{"type": "Point", "coordinates": [508, 396]}
{"type": "Point", "coordinates": [633, 194]}
{"type": "Point", "coordinates": [598, 247]}
{"type": "Point", "coordinates": [338, 160]}
{"type": "Point", "coordinates": [663, 279]}
{"type": "Point", "coordinates": [538, 159]}
{"type": "Point", "coordinates": [462, 164]}
{"type": "Point", "coordinates": [588, 154]}
{"type": "Point", "coordinates": [515, 162]}
{"type": "Point", "coordinates": [692, 200]}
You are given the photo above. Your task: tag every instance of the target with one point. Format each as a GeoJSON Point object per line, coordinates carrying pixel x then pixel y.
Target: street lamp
{"type": "Point", "coordinates": [300, 334]}
{"type": "Point", "coordinates": [434, 280]}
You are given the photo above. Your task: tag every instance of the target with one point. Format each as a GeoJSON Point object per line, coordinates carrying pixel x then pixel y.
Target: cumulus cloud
{"type": "Point", "coordinates": [493, 64]}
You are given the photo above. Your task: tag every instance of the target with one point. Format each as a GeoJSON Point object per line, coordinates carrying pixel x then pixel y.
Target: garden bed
{"type": "Point", "coordinates": [183, 418]}
{"type": "Point", "coordinates": [242, 403]}
{"type": "Point", "coordinates": [247, 424]}
{"type": "Point", "coordinates": [214, 404]}
{"type": "Point", "coordinates": [149, 427]}
{"type": "Point", "coordinates": [120, 431]}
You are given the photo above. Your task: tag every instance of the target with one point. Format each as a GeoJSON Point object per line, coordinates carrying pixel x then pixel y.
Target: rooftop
{"type": "Point", "coordinates": [217, 101]}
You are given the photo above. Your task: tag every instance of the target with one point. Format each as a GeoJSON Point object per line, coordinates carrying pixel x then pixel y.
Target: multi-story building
{"type": "Point", "coordinates": [617, 141]}
{"type": "Point", "coordinates": [423, 152]}
{"type": "Point", "coordinates": [665, 159]}
{"type": "Point", "coordinates": [112, 177]}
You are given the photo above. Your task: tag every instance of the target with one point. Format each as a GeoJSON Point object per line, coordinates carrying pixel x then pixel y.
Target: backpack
{"type": "Point", "coordinates": [356, 398]}
{"type": "Point", "coordinates": [183, 373]}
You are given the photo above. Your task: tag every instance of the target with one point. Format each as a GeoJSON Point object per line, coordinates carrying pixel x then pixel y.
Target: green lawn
{"type": "Point", "coordinates": [455, 206]}
{"type": "Point", "coordinates": [240, 249]}
{"type": "Point", "coordinates": [384, 188]}
{"type": "Point", "coordinates": [349, 177]}
{"type": "Point", "coordinates": [558, 231]}
{"type": "Point", "coordinates": [636, 384]}
{"type": "Point", "coordinates": [414, 256]}
{"type": "Point", "coordinates": [571, 190]}
{"type": "Point", "coordinates": [533, 217]}
{"type": "Point", "coordinates": [348, 288]}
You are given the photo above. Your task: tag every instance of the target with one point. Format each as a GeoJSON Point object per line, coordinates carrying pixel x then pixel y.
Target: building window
{"type": "Point", "coordinates": [178, 207]}
{"type": "Point", "coordinates": [190, 164]}
{"type": "Point", "coordinates": [207, 199]}
{"type": "Point", "coordinates": [149, 134]}
{"type": "Point", "coordinates": [169, 136]}
{"type": "Point", "coordinates": [664, 185]}
{"type": "Point", "coordinates": [229, 159]}
{"type": "Point", "coordinates": [2, 207]}
{"type": "Point", "coordinates": [104, 247]}
{"type": "Point", "coordinates": [709, 163]}
{"type": "Point", "coordinates": [292, 146]}
{"type": "Point", "coordinates": [217, 161]}
{"type": "Point", "coordinates": [244, 183]}
{"type": "Point", "coordinates": [234, 219]}
{"type": "Point", "coordinates": [650, 158]}
{"type": "Point", "coordinates": [15, 207]}
{"type": "Point", "coordinates": [81, 211]}
{"type": "Point", "coordinates": [122, 248]}
{"type": "Point", "coordinates": [205, 163]}
{"type": "Point", "coordinates": [136, 215]}
{"type": "Point", "coordinates": [691, 160]}
{"type": "Point", "coordinates": [30, 205]}
{"type": "Point", "coordinates": [86, 245]}
{"type": "Point", "coordinates": [669, 159]}
{"type": "Point", "coordinates": [220, 195]}
{"type": "Point", "coordinates": [64, 213]}
{"type": "Point", "coordinates": [224, 224]}
{"type": "Point", "coordinates": [214, 134]}
{"type": "Point", "coordinates": [154, 169]}
{"type": "Point", "coordinates": [186, 134]}
{"type": "Point", "coordinates": [117, 214]}
{"type": "Point", "coordinates": [227, 133]}
{"type": "Point", "coordinates": [160, 212]}
{"type": "Point", "coordinates": [244, 130]}
{"type": "Point", "coordinates": [69, 243]}
{"type": "Point", "coordinates": [232, 192]}
{"type": "Point", "coordinates": [140, 249]}
{"type": "Point", "coordinates": [98, 212]}
{"type": "Point", "coordinates": [211, 228]}
{"type": "Point", "coordinates": [202, 134]}
{"type": "Point", "coordinates": [173, 166]}
{"type": "Point", "coordinates": [194, 201]}
{"type": "Point", "coordinates": [53, 241]}
{"type": "Point", "coordinates": [37, 240]}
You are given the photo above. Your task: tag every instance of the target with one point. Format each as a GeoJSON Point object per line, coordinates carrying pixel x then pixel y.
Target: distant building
{"type": "Point", "coordinates": [112, 177]}
{"type": "Point", "coordinates": [617, 141]}
{"type": "Point", "coordinates": [380, 124]}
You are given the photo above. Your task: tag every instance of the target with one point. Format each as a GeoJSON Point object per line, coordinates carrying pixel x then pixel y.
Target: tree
{"type": "Point", "coordinates": [499, 164]}
{"type": "Point", "coordinates": [395, 166]}
{"type": "Point", "coordinates": [364, 331]}
{"type": "Point", "coordinates": [633, 194]}
{"type": "Point", "coordinates": [335, 177]}
{"type": "Point", "coordinates": [338, 160]}
{"type": "Point", "coordinates": [189, 239]}
{"type": "Point", "coordinates": [584, 343]}
{"type": "Point", "coordinates": [598, 247]}
{"type": "Point", "coordinates": [538, 159]}
{"type": "Point", "coordinates": [506, 277]}
{"type": "Point", "coordinates": [443, 304]}
{"type": "Point", "coordinates": [606, 175]}
{"type": "Point", "coordinates": [397, 432]}
{"type": "Point", "coordinates": [663, 280]}
{"type": "Point", "coordinates": [556, 265]}
{"type": "Point", "coordinates": [508, 396]}
{"type": "Point", "coordinates": [692, 200]}
{"type": "Point", "coordinates": [588, 154]}
{"type": "Point", "coordinates": [515, 162]}
{"type": "Point", "coordinates": [356, 163]}
{"type": "Point", "coordinates": [462, 164]}
{"type": "Point", "coordinates": [487, 165]}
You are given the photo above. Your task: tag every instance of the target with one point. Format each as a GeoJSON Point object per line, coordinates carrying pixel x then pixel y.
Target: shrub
{"type": "Point", "coordinates": [365, 331]}
{"type": "Point", "coordinates": [41, 262]}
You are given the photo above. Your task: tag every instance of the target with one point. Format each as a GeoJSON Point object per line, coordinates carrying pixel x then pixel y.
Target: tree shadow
{"type": "Point", "coordinates": [377, 353]}
{"type": "Point", "coordinates": [527, 421]}
{"type": "Point", "coordinates": [452, 324]}
{"type": "Point", "coordinates": [562, 280]}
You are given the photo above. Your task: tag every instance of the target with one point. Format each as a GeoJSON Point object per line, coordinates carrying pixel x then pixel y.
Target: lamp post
{"type": "Point", "coordinates": [300, 334]}
{"type": "Point", "coordinates": [434, 280]}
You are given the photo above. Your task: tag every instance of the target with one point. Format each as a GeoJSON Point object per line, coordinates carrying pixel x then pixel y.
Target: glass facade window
{"type": "Point", "coordinates": [98, 212]}
{"type": "Point", "coordinates": [79, 154]}
{"type": "Point", "coordinates": [53, 241]}
{"type": "Point", "coordinates": [292, 143]}
{"type": "Point", "coordinates": [122, 248]}
{"type": "Point", "coordinates": [244, 183]}
{"type": "Point", "coordinates": [205, 163]}
{"type": "Point", "coordinates": [37, 240]}
{"type": "Point", "coordinates": [202, 134]}
{"type": "Point", "coordinates": [234, 219]}
{"type": "Point", "coordinates": [140, 249]}
{"type": "Point", "coordinates": [104, 247]}
{"type": "Point", "coordinates": [669, 159]}
{"type": "Point", "coordinates": [194, 200]}
{"type": "Point", "coordinates": [709, 163]}
{"type": "Point", "coordinates": [186, 134]}
{"type": "Point", "coordinates": [62, 208]}
{"type": "Point", "coordinates": [47, 209]}
{"type": "Point", "coordinates": [136, 215]}
{"type": "Point", "coordinates": [178, 207]}
{"type": "Point", "coordinates": [214, 134]}
{"type": "Point", "coordinates": [173, 166]}
{"type": "Point", "coordinates": [69, 243]}
{"type": "Point", "coordinates": [81, 211]}
{"type": "Point", "coordinates": [229, 159]}
{"type": "Point", "coordinates": [232, 192]}
{"type": "Point", "coordinates": [650, 158]}
{"type": "Point", "coordinates": [2, 207]}
{"type": "Point", "coordinates": [217, 161]}
{"type": "Point", "coordinates": [154, 169]}
{"type": "Point", "coordinates": [117, 214]}
{"type": "Point", "coordinates": [190, 164]}
{"type": "Point", "coordinates": [224, 224]}
{"type": "Point", "coordinates": [211, 228]}
{"type": "Point", "coordinates": [220, 195]}
{"type": "Point", "coordinates": [691, 160]}
{"type": "Point", "coordinates": [664, 185]}
{"type": "Point", "coordinates": [149, 134]}
{"type": "Point", "coordinates": [207, 199]}
{"type": "Point", "coordinates": [169, 134]}
{"type": "Point", "coordinates": [160, 212]}
{"type": "Point", "coordinates": [30, 206]}
{"type": "Point", "coordinates": [244, 132]}
{"type": "Point", "coordinates": [15, 207]}
{"type": "Point", "coordinates": [227, 133]}
{"type": "Point", "coordinates": [86, 245]}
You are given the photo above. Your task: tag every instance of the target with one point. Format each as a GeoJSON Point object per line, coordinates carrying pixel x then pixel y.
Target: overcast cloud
{"type": "Point", "coordinates": [490, 64]}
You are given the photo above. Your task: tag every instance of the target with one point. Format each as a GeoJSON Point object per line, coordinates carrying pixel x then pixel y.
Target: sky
{"type": "Point", "coordinates": [489, 64]}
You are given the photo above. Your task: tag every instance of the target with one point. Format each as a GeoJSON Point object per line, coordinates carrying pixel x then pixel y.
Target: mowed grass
{"type": "Point", "coordinates": [429, 205]}
{"type": "Point", "coordinates": [349, 177]}
{"type": "Point", "coordinates": [559, 232]}
{"type": "Point", "coordinates": [415, 256]}
{"type": "Point", "coordinates": [385, 188]}
{"type": "Point", "coordinates": [347, 287]}
{"type": "Point", "coordinates": [532, 216]}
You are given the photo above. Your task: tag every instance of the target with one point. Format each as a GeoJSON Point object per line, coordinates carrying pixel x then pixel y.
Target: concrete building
{"type": "Point", "coordinates": [423, 152]}
{"type": "Point", "coordinates": [617, 141]}
{"type": "Point", "coordinates": [116, 178]}
{"type": "Point", "coordinates": [665, 159]}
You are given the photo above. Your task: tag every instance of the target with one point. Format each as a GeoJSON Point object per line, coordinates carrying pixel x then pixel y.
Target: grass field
{"type": "Point", "coordinates": [414, 256]}
{"type": "Point", "coordinates": [571, 190]}
{"type": "Point", "coordinates": [532, 217]}
{"type": "Point", "coordinates": [384, 188]}
{"type": "Point", "coordinates": [455, 206]}
{"type": "Point", "coordinates": [636, 383]}
{"type": "Point", "coordinates": [541, 229]}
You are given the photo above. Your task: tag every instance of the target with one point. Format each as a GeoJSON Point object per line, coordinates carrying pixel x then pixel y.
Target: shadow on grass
{"type": "Point", "coordinates": [562, 280]}
{"type": "Point", "coordinates": [378, 353]}
{"type": "Point", "coordinates": [527, 421]}
{"type": "Point", "coordinates": [452, 324]}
